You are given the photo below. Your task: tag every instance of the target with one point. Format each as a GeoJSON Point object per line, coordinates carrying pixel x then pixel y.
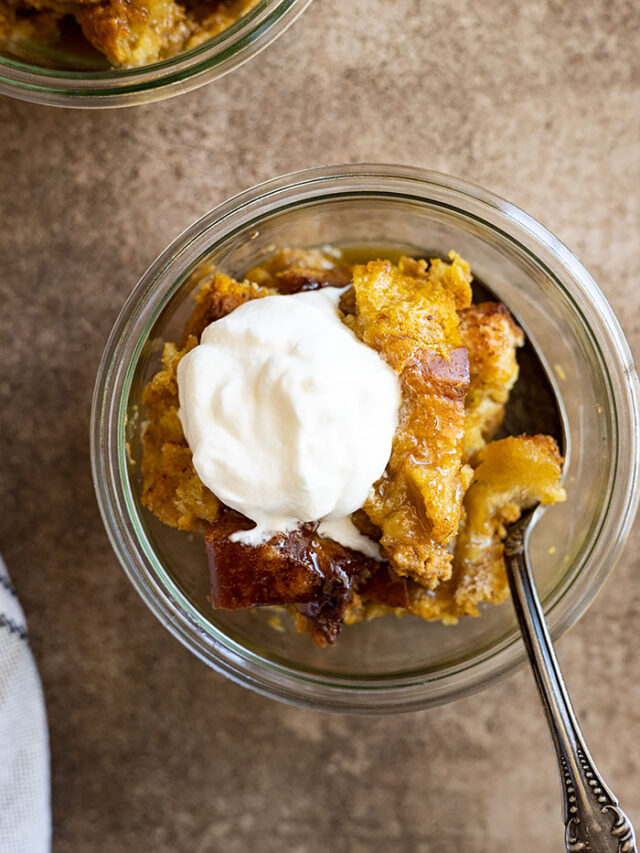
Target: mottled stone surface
{"type": "Point", "coordinates": [539, 101]}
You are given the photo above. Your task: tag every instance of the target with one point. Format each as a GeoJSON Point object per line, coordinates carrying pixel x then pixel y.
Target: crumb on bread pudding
{"type": "Point", "coordinates": [438, 512]}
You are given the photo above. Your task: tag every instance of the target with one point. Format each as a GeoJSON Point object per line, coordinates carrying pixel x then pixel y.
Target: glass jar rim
{"type": "Point", "coordinates": [146, 303]}
{"type": "Point", "coordinates": [128, 86]}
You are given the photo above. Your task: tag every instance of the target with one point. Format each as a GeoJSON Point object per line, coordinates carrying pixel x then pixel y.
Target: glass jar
{"type": "Point", "coordinates": [388, 664]}
{"type": "Point", "coordinates": [34, 80]}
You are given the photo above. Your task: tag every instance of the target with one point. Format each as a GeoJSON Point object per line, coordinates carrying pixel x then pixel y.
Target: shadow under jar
{"type": "Point", "coordinates": [73, 75]}
{"type": "Point", "coordinates": [388, 664]}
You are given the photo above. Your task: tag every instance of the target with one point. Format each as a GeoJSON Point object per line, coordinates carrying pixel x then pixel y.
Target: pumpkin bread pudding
{"type": "Point", "coordinates": [434, 518]}
{"type": "Point", "coordinates": [129, 33]}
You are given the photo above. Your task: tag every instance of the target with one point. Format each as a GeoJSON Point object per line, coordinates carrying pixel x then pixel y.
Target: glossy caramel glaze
{"type": "Point", "coordinates": [298, 270]}
{"type": "Point", "coordinates": [313, 575]}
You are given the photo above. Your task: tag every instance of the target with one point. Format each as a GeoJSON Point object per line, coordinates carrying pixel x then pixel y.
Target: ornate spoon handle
{"type": "Point", "coordinates": [594, 823]}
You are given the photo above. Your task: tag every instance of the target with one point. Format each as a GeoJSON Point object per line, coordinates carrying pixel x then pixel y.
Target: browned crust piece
{"type": "Point", "coordinates": [491, 337]}
{"type": "Point", "coordinates": [171, 488]}
{"type": "Point", "coordinates": [134, 32]}
{"type": "Point", "coordinates": [413, 323]}
{"type": "Point", "coordinates": [297, 270]}
{"type": "Point", "coordinates": [512, 475]}
{"type": "Point", "coordinates": [289, 271]}
{"type": "Point", "coordinates": [284, 261]}
{"type": "Point", "coordinates": [218, 296]}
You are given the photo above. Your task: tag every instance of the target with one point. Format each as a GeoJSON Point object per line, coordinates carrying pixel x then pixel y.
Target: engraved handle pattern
{"type": "Point", "coordinates": [598, 814]}
{"type": "Point", "coordinates": [594, 822]}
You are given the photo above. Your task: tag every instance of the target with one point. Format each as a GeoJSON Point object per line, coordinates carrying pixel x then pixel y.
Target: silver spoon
{"type": "Point", "coordinates": [594, 823]}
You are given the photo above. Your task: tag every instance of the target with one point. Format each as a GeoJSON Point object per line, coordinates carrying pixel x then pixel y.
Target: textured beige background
{"type": "Point", "coordinates": [538, 101]}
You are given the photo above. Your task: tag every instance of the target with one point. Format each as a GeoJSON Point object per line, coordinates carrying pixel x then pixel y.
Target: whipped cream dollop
{"type": "Point", "coordinates": [289, 416]}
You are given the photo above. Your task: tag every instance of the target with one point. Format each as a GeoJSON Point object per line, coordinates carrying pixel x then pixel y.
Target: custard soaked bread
{"type": "Point", "coordinates": [491, 339]}
{"type": "Point", "coordinates": [436, 517]}
{"type": "Point", "coordinates": [512, 475]}
{"type": "Point", "coordinates": [413, 322]}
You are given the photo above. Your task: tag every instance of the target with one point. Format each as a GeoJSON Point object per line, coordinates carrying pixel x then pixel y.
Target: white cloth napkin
{"type": "Point", "coordinates": [25, 812]}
